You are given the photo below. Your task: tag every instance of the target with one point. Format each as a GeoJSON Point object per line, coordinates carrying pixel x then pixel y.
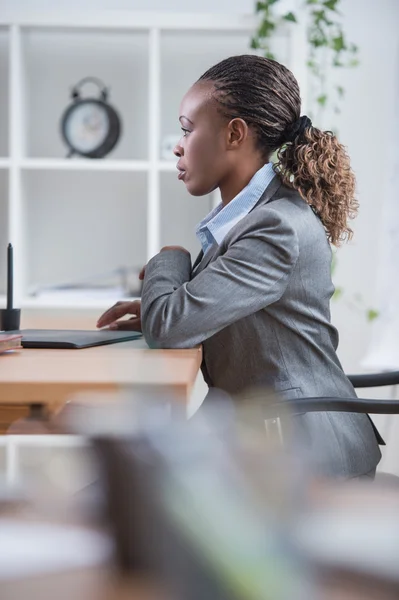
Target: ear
{"type": "Point", "coordinates": [237, 133]}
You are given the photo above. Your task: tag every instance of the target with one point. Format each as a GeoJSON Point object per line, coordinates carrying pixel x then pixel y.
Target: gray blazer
{"type": "Point", "coordinates": [259, 304]}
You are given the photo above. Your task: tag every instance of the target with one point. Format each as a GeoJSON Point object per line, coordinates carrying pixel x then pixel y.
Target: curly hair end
{"type": "Point", "coordinates": [318, 167]}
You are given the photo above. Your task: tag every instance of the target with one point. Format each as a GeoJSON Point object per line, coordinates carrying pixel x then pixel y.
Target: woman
{"type": "Point", "coordinates": [258, 295]}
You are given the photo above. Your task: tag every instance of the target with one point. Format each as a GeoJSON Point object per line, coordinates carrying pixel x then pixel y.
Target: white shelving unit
{"type": "Point", "coordinates": [73, 219]}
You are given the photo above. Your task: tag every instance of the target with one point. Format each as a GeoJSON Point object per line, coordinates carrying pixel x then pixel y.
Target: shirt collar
{"type": "Point", "coordinates": [222, 218]}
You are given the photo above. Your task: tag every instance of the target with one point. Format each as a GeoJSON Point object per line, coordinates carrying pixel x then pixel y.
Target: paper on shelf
{"type": "Point", "coordinates": [114, 293]}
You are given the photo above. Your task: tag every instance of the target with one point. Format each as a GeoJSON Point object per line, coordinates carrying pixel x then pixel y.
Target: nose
{"type": "Point", "coordinates": [178, 151]}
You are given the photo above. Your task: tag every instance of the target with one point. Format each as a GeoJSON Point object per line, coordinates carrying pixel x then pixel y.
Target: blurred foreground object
{"type": "Point", "coordinates": [213, 508]}
{"type": "Point", "coordinates": [219, 508]}
{"type": "Point", "coordinates": [350, 534]}
{"type": "Point", "coordinates": [206, 505]}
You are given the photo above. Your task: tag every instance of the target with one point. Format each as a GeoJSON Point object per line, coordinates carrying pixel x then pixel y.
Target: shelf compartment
{"type": "Point", "coordinates": [79, 227]}
{"type": "Point", "coordinates": [55, 60]}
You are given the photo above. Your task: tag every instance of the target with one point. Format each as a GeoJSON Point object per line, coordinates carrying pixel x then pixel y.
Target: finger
{"type": "Point", "coordinates": [120, 309]}
{"type": "Point", "coordinates": [109, 310]}
{"type": "Point", "coordinates": [117, 313]}
{"type": "Point", "coordinates": [133, 324]}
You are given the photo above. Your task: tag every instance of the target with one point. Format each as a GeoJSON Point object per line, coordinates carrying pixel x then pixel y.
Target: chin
{"type": "Point", "coordinates": [196, 189]}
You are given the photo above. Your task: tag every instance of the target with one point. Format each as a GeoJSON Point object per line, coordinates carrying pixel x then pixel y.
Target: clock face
{"type": "Point", "coordinates": [87, 126]}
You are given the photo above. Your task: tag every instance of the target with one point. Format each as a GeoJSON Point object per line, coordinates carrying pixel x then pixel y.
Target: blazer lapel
{"type": "Point", "coordinates": [203, 260]}
{"type": "Point", "coordinates": [198, 260]}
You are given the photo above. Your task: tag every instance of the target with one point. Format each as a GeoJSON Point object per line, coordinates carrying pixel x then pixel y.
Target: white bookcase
{"type": "Point", "coordinates": [73, 219]}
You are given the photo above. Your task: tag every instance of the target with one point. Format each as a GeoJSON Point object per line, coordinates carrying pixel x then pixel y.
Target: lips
{"type": "Point", "coordinates": [182, 172]}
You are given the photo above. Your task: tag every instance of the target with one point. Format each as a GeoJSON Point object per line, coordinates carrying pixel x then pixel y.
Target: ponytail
{"type": "Point", "coordinates": [315, 164]}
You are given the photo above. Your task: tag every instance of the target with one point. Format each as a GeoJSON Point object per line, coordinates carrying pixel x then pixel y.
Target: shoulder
{"type": "Point", "coordinates": [265, 231]}
{"type": "Point", "coordinates": [288, 208]}
{"type": "Point", "coordinates": [270, 216]}
{"type": "Point", "coordinates": [284, 219]}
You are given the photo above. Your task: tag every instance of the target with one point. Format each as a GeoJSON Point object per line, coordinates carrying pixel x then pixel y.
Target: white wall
{"type": "Point", "coordinates": [365, 127]}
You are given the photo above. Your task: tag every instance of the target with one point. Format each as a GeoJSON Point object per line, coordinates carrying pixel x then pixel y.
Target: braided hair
{"type": "Point", "coordinates": [266, 95]}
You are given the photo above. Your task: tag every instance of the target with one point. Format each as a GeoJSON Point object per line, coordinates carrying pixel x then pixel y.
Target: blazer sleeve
{"type": "Point", "coordinates": [253, 273]}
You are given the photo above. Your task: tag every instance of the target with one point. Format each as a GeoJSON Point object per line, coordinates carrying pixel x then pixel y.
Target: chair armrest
{"type": "Point", "coordinates": [374, 379]}
{"type": "Point", "coordinates": [331, 404]}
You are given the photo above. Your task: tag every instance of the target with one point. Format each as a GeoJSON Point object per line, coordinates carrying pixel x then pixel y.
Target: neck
{"type": "Point", "coordinates": [237, 180]}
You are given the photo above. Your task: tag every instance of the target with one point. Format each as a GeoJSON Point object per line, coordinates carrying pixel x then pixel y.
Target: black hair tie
{"type": "Point", "coordinates": [298, 128]}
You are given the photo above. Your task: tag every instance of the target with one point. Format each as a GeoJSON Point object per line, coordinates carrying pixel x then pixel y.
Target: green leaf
{"type": "Point", "coordinates": [322, 100]}
{"type": "Point", "coordinates": [354, 63]}
{"type": "Point", "coordinates": [309, 2]}
{"type": "Point", "coordinates": [290, 17]}
{"type": "Point", "coordinates": [270, 55]}
{"type": "Point", "coordinates": [372, 314]}
{"type": "Point", "coordinates": [265, 5]}
{"type": "Point", "coordinates": [331, 4]}
{"type": "Point", "coordinates": [255, 43]}
{"type": "Point", "coordinates": [318, 15]}
{"type": "Point", "coordinates": [338, 43]}
{"type": "Point", "coordinates": [265, 29]}
{"type": "Point", "coordinates": [337, 62]}
{"type": "Point", "coordinates": [318, 42]}
{"type": "Point", "coordinates": [337, 294]}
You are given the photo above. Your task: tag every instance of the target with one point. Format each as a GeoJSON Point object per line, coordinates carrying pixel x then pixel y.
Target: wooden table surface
{"type": "Point", "coordinates": [50, 377]}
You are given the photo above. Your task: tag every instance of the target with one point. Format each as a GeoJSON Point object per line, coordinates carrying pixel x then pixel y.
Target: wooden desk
{"type": "Point", "coordinates": [49, 377]}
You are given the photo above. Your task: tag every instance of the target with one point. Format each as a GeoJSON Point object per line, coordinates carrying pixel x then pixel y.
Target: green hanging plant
{"type": "Point", "coordinates": [327, 45]}
{"type": "Point", "coordinates": [328, 48]}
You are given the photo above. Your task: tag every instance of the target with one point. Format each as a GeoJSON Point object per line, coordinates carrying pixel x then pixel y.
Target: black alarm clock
{"type": "Point", "coordinates": [90, 127]}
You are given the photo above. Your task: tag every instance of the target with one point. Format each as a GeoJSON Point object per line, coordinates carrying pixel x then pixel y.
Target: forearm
{"type": "Point", "coordinates": [253, 272]}
{"type": "Point", "coordinates": [164, 274]}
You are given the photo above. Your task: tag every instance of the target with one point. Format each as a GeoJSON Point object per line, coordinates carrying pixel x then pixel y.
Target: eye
{"type": "Point", "coordinates": [185, 132]}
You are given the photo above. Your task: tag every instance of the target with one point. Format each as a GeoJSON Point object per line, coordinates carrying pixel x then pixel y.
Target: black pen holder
{"type": "Point", "coordinates": [10, 319]}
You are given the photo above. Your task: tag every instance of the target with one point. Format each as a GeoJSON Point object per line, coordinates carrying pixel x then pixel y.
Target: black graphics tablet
{"type": "Point", "coordinates": [69, 338]}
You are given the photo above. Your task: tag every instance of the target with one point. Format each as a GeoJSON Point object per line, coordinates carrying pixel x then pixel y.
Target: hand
{"type": "Point", "coordinates": [119, 310]}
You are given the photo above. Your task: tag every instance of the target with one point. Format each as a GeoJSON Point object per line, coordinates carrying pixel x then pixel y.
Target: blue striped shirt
{"type": "Point", "coordinates": [221, 219]}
